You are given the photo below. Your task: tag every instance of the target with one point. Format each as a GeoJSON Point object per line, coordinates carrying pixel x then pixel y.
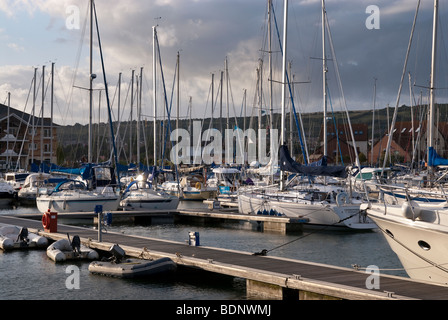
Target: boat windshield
{"type": "Point", "coordinates": [70, 185]}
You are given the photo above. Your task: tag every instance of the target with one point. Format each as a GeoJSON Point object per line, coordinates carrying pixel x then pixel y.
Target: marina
{"type": "Point", "coordinates": [296, 199]}
{"type": "Point", "coordinates": [301, 279]}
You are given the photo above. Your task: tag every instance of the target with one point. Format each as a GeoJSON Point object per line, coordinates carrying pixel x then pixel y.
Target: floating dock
{"type": "Point", "coordinates": [266, 277]}
{"type": "Point", "coordinates": [267, 223]}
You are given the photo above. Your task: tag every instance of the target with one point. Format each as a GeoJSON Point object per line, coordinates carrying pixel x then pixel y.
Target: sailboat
{"type": "Point", "coordinates": [417, 232]}
{"type": "Point", "coordinates": [82, 195]}
{"type": "Point", "coordinates": [98, 187]}
{"type": "Point", "coordinates": [140, 194]}
{"type": "Point", "coordinates": [328, 206]}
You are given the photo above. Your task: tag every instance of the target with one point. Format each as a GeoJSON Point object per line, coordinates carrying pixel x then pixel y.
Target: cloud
{"type": "Point", "coordinates": [16, 47]}
{"type": "Point", "coordinates": [205, 33]}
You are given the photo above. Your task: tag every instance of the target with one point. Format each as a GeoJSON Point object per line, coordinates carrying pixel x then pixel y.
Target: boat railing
{"type": "Point", "coordinates": [411, 193]}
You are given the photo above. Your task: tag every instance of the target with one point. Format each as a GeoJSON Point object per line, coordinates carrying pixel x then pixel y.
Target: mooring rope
{"type": "Point", "coordinates": [264, 252]}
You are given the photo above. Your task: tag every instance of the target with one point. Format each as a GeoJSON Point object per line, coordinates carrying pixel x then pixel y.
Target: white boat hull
{"type": "Point", "coordinates": [61, 251]}
{"type": "Point", "coordinates": [421, 244]}
{"type": "Point", "coordinates": [9, 239]}
{"type": "Point", "coordinates": [131, 268]}
{"type": "Point", "coordinates": [149, 201]}
{"type": "Point", "coordinates": [317, 213]}
{"type": "Point", "coordinates": [84, 202]}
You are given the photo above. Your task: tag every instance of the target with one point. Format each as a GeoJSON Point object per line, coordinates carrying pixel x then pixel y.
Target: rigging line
{"type": "Point", "coordinates": [169, 112]}
{"type": "Point", "coordinates": [290, 93]}
{"type": "Point", "coordinates": [107, 97]}
{"type": "Point", "coordinates": [394, 118]}
{"type": "Point", "coordinates": [335, 126]}
{"type": "Point", "coordinates": [20, 124]}
{"type": "Point", "coordinates": [69, 97]}
{"type": "Point", "coordinates": [166, 102]}
{"type": "Point", "coordinates": [265, 251]}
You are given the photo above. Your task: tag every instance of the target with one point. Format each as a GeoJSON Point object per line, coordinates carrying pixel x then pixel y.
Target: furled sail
{"type": "Point", "coordinates": [314, 169]}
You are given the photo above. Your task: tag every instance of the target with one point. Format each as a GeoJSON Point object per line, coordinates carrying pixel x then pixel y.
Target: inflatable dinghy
{"type": "Point", "coordinates": [14, 237]}
{"type": "Point", "coordinates": [120, 267]}
{"type": "Point", "coordinates": [64, 249]}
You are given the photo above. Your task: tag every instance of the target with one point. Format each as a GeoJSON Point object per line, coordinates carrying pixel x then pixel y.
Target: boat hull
{"type": "Point", "coordinates": [421, 246]}
{"type": "Point", "coordinates": [9, 239]}
{"type": "Point", "coordinates": [318, 213]}
{"type": "Point", "coordinates": [131, 268]}
{"type": "Point", "coordinates": [61, 251]}
{"type": "Point", "coordinates": [75, 203]}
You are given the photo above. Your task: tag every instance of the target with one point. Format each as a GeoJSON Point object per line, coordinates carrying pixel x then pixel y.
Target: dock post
{"type": "Point", "coordinates": [99, 211]}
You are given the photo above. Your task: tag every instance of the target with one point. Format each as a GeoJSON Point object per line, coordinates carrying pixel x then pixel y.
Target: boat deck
{"type": "Point", "coordinates": [288, 275]}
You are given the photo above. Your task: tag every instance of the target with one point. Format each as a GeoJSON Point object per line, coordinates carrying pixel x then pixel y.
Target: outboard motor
{"type": "Point", "coordinates": [117, 253]}
{"type": "Point", "coordinates": [76, 244]}
{"type": "Point", "coordinates": [23, 235]}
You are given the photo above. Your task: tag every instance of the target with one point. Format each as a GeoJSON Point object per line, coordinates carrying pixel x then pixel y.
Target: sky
{"type": "Point", "coordinates": [369, 46]}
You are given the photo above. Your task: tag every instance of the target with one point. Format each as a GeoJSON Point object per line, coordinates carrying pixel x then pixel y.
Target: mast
{"type": "Point", "coordinates": [119, 107]}
{"type": "Point", "coordinates": [34, 112]}
{"type": "Point", "coordinates": [42, 121]}
{"type": "Point", "coordinates": [432, 88]}
{"type": "Point", "coordinates": [139, 113]}
{"type": "Point", "coordinates": [178, 103]}
{"type": "Point", "coordinates": [51, 111]}
{"type": "Point", "coordinates": [131, 116]}
{"type": "Point", "coordinates": [227, 93]}
{"type": "Point", "coordinates": [282, 134]}
{"type": "Point", "coordinates": [89, 154]}
{"type": "Point", "coordinates": [220, 102]}
{"type": "Point", "coordinates": [412, 119]}
{"type": "Point", "coordinates": [260, 102]}
{"type": "Point", "coordinates": [178, 91]}
{"type": "Point", "coordinates": [324, 80]}
{"type": "Point", "coordinates": [373, 121]}
{"type": "Point", "coordinates": [7, 132]}
{"type": "Point", "coordinates": [154, 33]}
{"type": "Point", "coordinates": [271, 103]}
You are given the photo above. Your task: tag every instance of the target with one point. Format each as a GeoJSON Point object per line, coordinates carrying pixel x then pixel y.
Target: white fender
{"type": "Point", "coordinates": [410, 210]}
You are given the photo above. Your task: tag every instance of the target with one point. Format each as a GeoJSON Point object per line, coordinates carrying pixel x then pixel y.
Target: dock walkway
{"type": "Point", "coordinates": [266, 277]}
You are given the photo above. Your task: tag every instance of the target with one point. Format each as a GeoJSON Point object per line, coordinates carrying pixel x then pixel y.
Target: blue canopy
{"type": "Point", "coordinates": [315, 169]}
{"type": "Point", "coordinates": [434, 159]}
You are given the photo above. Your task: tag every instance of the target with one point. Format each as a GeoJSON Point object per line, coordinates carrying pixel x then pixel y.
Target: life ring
{"type": "Point", "coordinates": [342, 198]}
{"type": "Point", "coordinates": [46, 220]}
{"type": "Point", "coordinates": [198, 186]}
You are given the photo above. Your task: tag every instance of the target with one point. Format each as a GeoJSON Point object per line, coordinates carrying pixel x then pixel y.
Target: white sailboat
{"type": "Point", "coordinates": [417, 232]}
{"type": "Point", "coordinates": [77, 195]}
{"type": "Point", "coordinates": [140, 195]}
{"type": "Point", "coordinates": [36, 183]}
{"type": "Point", "coordinates": [322, 205]}
{"type": "Point", "coordinates": [74, 196]}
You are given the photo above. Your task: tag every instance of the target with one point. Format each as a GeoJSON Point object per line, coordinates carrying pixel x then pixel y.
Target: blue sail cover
{"type": "Point", "coordinates": [434, 159]}
{"type": "Point", "coordinates": [319, 168]}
